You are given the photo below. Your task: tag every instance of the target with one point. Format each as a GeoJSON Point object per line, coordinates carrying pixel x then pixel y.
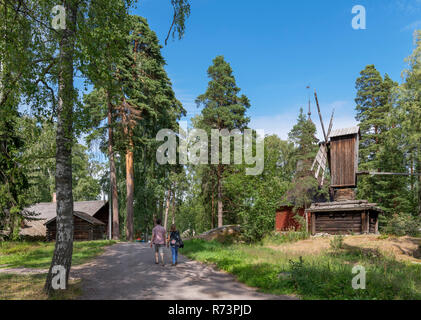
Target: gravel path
{"type": "Point", "coordinates": [128, 271]}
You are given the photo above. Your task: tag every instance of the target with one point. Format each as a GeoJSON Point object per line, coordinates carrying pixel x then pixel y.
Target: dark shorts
{"type": "Point", "coordinates": [159, 248]}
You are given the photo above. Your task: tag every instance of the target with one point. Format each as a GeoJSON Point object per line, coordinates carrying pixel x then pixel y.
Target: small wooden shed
{"type": "Point", "coordinates": [43, 212]}
{"type": "Point", "coordinates": [86, 228]}
{"type": "Point", "coordinates": [344, 157]}
{"type": "Point", "coordinates": [345, 217]}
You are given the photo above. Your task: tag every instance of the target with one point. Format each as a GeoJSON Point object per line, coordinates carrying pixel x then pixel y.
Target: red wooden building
{"type": "Point", "coordinates": [285, 220]}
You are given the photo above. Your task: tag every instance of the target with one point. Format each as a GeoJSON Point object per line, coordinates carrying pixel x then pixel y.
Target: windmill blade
{"type": "Point", "coordinates": [320, 115]}
{"type": "Point", "coordinates": [330, 124]}
{"type": "Point", "coordinates": [321, 162]}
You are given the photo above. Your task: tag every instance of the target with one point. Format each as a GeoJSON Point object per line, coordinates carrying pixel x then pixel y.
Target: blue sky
{"type": "Point", "coordinates": [276, 48]}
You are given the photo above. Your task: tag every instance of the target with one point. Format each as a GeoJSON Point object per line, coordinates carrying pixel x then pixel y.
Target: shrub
{"type": "Point", "coordinates": [337, 242]}
{"type": "Point", "coordinates": [403, 224]}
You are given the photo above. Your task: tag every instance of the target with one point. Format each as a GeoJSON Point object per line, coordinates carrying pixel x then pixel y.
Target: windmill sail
{"type": "Point", "coordinates": [320, 162]}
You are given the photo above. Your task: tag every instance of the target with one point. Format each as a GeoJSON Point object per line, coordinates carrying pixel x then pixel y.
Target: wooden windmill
{"type": "Point", "coordinates": [339, 153]}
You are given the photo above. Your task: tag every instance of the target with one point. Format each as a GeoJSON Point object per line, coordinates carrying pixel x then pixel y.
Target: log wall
{"type": "Point", "coordinates": [345, 222]}
{"type": "Point", "coordinates": [337, 223]}
{"type": "Point", "coordinates": [83, 230]}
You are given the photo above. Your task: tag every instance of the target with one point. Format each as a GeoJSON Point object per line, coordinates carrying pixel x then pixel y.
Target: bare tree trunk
{"type": "Point", "coordinates": [167, 208]}
{"type": "Point", "coordinates": [62, 257]}
{"type": "Point", "coordinates": [213, 210]}
{"type": "Point", "coordinates": [173, 207]}
{"type": "Point", "coordinates": [130, 190]}
{"type": "Point", "coordinates": [113, 175]}
{"type": "Point", "coordinates": [220, 204]}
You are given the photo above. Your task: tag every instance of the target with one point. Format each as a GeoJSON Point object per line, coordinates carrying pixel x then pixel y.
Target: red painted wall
{"type": "Point", "coordinates": [284, 219]}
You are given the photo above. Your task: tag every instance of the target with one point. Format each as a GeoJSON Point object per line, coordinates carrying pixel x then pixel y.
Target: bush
{"type": "Point", "coordinates": [337, 242]}
{"type": "Point", "coordinates": [403, 224]}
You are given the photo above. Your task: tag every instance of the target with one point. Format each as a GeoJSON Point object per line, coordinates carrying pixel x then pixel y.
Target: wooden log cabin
{"type": "Point", "coordinates": [86, 228]}
{"type": "Point", "coordinates": [36, 228]}
{"type": "Point", "coordinates": [344, 217]}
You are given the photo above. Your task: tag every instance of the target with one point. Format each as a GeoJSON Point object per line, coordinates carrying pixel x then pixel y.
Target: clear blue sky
{"type": "Point", "coordinates": [276, 48]}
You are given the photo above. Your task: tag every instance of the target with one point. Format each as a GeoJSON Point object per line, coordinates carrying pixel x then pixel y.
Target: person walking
{"type": "Point", "coordinates": [158, 240]}
{"type": "Point", "coordinates": [174, 240]}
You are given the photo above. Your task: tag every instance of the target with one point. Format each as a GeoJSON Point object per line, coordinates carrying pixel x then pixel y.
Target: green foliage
{"type": "Point", "coordinates": [303, 135]}
{"type": "Point", "coordinates": [38, 160]}
{"type": "Point", "coordinates": [223, 108]}
{"type": "Point", "coordinates": [140, 108]}
{"type": "Point", "coordinates": [13, 180]}
{"type": "Point", "coordinates": [304, 187]}
{"type": "Point", "coordinates": [403, 224]}
{"type": "Point", "coordinates": [380, 145]}
{"type": "Point", "coordinates": [255, 198]}
{"type": "Point", "coordinates": [389, 124]}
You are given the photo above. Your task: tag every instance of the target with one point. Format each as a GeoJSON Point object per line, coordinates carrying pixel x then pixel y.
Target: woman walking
{"type": "Point", "coordinates": [174, 240]}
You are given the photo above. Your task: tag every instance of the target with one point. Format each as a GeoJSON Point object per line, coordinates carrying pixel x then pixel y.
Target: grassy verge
{"type": "Point", "coordinates": [30, 287]}
{"type": "Point", "coordinates": [327, 275]}
{"type": "Point", "coordinates": [39, 254]}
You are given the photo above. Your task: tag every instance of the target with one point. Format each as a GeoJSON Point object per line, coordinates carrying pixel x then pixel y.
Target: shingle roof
{"type": "Point", "coordinates": [344, 206]}
{"type": "Point", "coordinates": [344, 132]}
{"type": "Point", "coordinates": [47, 211]}
{"type": "Point", "coordinates": [33, 228]}
{"type": "Point", "coordinates": [83, 216]}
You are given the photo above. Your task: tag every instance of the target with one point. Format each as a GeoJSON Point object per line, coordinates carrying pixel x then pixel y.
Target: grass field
{"type": "Point", "coordinates": [311, 273]}
{"type": "Point", "coordinates": [38, 255]}
{"type": "Point", "coordinates": [30, 287]}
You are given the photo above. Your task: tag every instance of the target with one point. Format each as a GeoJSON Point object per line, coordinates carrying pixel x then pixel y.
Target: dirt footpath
{"type": "Point", "coordinates": [128, 271]}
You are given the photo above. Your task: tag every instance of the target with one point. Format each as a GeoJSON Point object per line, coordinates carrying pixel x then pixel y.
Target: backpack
{"type": "Point", "coordinates": [175, 236]}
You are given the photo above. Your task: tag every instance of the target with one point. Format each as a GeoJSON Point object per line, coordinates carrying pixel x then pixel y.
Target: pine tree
{"type": "Point", "coordinates": [381, 144]}
{"type": "Point", "coordinates": [148, 102]}
{"type": "Point", "coordinates": [372, 108]}
{"type": "Point", "coordinates": [223, 109]}
{"type": "Point", "coordinates": [303, 135]}
{"type": "Point", "coordinates": [13, 180]}
{"type": "Point", "coordinates": [304, 185]}
{"type": "Point", "coordinates": [410, 115]}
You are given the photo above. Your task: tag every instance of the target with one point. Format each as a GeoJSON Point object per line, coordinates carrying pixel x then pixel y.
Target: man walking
{"type": "Point", "coordinates": [158, 240]}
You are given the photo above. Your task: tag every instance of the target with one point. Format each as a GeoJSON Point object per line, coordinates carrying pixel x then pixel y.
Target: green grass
{"type": "Point", "coordinates": [30, 287]}
{"type": "Point", "coordinates": [276, 238]}
{"type": "Point", "coordinates": [39, 254]}
{"type": "Point", "coordinates": [325, 276]}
